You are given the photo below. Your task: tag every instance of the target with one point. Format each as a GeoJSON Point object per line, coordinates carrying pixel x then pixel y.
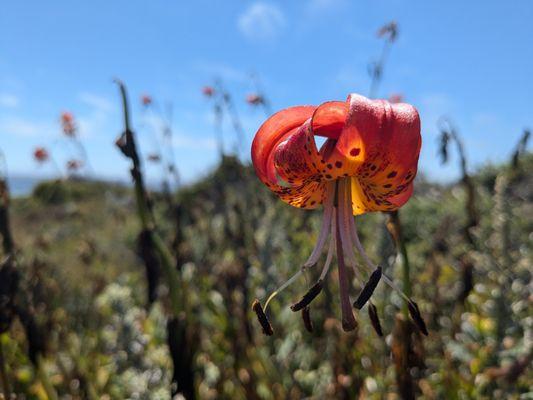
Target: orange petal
{"type": "Point", "coordinates": [329, 118]}
{"type": "Point", "coordinates": [309, 194]}
{"type": "Point", "coordinates": [272, 132]}
{"type": "Point", "coordinates": [389, 139]}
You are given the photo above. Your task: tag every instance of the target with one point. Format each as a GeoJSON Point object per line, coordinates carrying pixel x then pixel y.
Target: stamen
{"type": "Point", "coordinates": [417, 317]}
{"type": "Point", "coordinates": [331, 249]}
{"type": "Point", "coordinates": [374, 319]}
{"type": "Point", "coordinates": [369, 264]}
{"type": "Point", "coordinates": [308, 297]}
{"type": "Point", "coordinates": [348, 320]}
{"type": "Point", "coordinates": [317, 287]}
{"type": "Point", "coordinates": [327, 224]}
{"type": "Point", "coordinates": [263, 320]}
{"type": "Point", "coordinates": [324, 229]}
{"type": "Point", "coordinates": [307, 319]}
{"type": "Point", "coordinates": [368, 289]}
{"type": "Point", "coordinates": [282, 287]}
{"type": "Point", "coordinates": [345, 215]}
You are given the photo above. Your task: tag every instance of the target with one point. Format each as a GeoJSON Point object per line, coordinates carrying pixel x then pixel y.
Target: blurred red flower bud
{"type": "Point", "coordinates": [396, 98]}
{"type": "Point", "coordinates": [153, 157]}
{"type": "Point", "coordinates": [208, 91]}
{"type": "Point", "coordinates": [40, 154]}
{"type": "Point", "coordinates": [146, 100]}
{"type": "Point", "coordinates": [389, 30]}
{"type": "Point", "coordinates": [254, 99]}
{"type": "Point", "coordinates": [67, 123]}
{"type": "Point", "coordinates": [74, 165]}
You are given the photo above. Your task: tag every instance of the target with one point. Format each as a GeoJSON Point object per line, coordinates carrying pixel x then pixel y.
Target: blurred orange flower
{"type": "Point", "coordinates": [390, 31]}
{"type": "Point", "coordinates": [396, 98]}
{"type": "Point", "coordinates": [254, 99]}
{"type": "Point", "coordinates": [146, 100]}
{"type": "Point", "coordinates": [68, 124]}
{"type": "Point", "coordinates": [40, 154]}
{"type": "Point", "coordinates": [208, 91]}
{"type": "Point", "coordinates": [74, 165]}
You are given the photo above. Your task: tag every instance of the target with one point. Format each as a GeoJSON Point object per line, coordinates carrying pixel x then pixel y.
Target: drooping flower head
{"type": "Point", "coordinates": [389, 31]}
{"type": "Point", "coordinates": [367, 163]}
{"type": "Point", "coordinates": [40, 154]}
{"type": "Point", "coordinates": [68, 124]}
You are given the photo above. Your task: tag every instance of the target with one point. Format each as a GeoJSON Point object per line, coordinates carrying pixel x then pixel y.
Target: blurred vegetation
{"type": "Point", "coordinates": [104, 338]}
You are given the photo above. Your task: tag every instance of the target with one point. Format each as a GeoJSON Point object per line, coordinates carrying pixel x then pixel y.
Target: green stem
{"type": "Point", "coordinates": [6, 388]}
{"type": "Point", "coordinates": [147, 221]}
{"type": "Point", "coordinates": [45, 381]}
{"type": "Point", "coordinates": [173, 278]}
{"type": "Point", "coordinates": [395, 228]}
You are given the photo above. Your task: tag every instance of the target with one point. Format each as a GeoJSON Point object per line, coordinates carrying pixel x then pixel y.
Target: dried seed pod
{"type": "Point", "coordinates": [308, 297]}
{"type": "Point", "coordinates": [261, 316]}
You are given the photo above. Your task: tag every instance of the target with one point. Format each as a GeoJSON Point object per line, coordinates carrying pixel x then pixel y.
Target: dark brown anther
{"type": "Point", "coordinates": [374, 318]}
{"type": "Point", "coordinates": [417, 317]}
{"type": "Point", "coordinates": [369, 288]}
{"type": "Point", "coordinates": [263, 320]}
{"type": "Point", "coordinates": [308, 297]}
{"type": "Point", "coordinates": [306, 316]}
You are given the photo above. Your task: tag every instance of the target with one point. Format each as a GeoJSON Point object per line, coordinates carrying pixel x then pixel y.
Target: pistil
{"type": "Point", "coordinates": [348, 320]}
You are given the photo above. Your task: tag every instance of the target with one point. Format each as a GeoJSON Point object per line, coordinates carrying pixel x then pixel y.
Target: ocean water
{"type": "Point", "coordinates": [20, 186]}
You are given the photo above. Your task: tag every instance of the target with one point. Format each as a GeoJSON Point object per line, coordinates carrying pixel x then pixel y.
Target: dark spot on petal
{"type": "Point", "coordinates": [355, 151]}
{"type": "Point", "coordinates": [330, 166]}
{"type": "Point", "coordinates": [388, 185]}
{"type": "Point", "coordinates": [328, 176]}
{"type": "Point", "coordinates": [392, 174]}
{"type": "Point", "coordinates": [338, 164]}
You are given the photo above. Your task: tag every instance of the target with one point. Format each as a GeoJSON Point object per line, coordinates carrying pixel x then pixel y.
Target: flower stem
{"type": "Point", "coordinates": [145, 215]}
{"type": "Point", "coordinates": [45, 381]}
{"type": "Point", "coordinates": [348, 320]}
{"type": "Point", "coordinates": [4, 381]}
{"type": "Point", "coordinates": [395, 229]}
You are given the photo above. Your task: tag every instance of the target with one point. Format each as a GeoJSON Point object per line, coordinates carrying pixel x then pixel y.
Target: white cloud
{"type": "Point", "coordinates": [97, 102]}
{"type": "Point", "coordinates": [8, 100]}
{"type": "Point", "coordinates": [261, 21]}
{"type": "Point", "coordinates": [224, 71]}
{"type": "Point", "coordinates": [20, 127]}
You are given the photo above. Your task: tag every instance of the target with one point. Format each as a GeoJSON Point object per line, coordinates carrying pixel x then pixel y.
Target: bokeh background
{"type": "Point", "coordinates": [87, 303]}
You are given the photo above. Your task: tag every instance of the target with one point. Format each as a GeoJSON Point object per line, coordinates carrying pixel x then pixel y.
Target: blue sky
{"type": "Point", "coordinates": [470, 60]}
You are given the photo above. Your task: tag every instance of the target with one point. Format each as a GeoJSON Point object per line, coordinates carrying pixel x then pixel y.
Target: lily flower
{"type": "Point", "coordinates": [40, 154]}
{"type": "Point", "coordinates": [367, 164]}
